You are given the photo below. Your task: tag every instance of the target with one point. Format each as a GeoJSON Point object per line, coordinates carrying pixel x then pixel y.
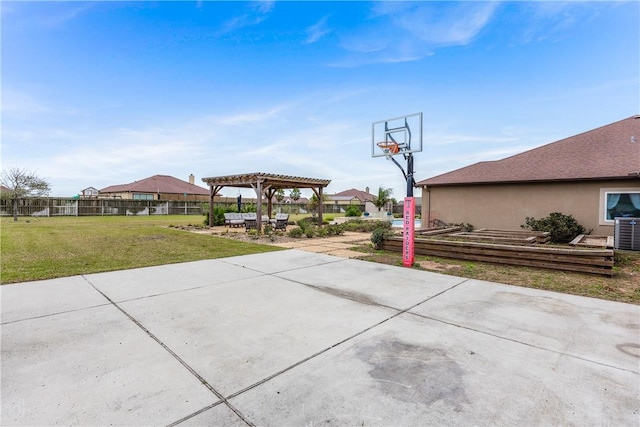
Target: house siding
{"type": "Point", "coordinates": [505, 206]}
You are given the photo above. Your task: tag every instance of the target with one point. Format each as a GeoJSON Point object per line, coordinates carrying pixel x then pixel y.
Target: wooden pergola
{"type": "Point", "coordinates": [267, 184]}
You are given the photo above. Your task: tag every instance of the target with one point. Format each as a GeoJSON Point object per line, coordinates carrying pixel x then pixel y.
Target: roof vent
{"type": "Point", "coordinates": [633, 139]}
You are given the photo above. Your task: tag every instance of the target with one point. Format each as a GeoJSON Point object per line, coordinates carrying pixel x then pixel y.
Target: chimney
{"type": "Point", "coordinates": [366, 190]}
{"type": "Point", "coordinates": [192, 179]}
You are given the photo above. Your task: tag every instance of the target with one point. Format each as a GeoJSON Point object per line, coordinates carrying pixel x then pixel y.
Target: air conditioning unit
{"type": "Point", "coordinates": [627, 234]}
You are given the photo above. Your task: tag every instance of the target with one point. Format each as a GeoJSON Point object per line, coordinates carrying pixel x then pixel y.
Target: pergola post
{"type": "Point", "coordinates": [318, 194]}
{"type": "Point", "coordinates": [258, 189]}
{"type": "Point", "coordinates": [213, 190]}
{"type": "Point", "coordinates": [320, 207]}
{"type": "Point", "coordinates": [270, 193]}
{"type": "Point", "coordinates": [211, 196]}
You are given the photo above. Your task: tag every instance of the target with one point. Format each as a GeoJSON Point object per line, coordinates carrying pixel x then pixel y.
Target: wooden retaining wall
{"type": "Point", "coordinates": [594, 261]}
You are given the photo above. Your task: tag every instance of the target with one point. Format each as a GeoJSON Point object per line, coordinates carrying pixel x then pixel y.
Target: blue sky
{"type": "Point", "coordinates": [103, 93]}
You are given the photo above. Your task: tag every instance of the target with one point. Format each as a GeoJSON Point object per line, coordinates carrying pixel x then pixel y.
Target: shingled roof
{"type": "Point", "coordinates": [608, 152]}
{"type": "Point", "coordinates": [158, 183]}
{"type": "Point", "coordinates": [354, 194]}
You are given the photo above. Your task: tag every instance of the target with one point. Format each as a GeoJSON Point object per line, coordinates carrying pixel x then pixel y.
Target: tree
{"type": "Point", "coordinates": [314, 204]}
{"type": "Point", "coordinates": [20, 184]}
{"type": "Point", "coordinates": [383, 197]}
{"type": "Point", "coordinates": [279, 195]}
{"type": "Point", "coordinates": [295, 194]}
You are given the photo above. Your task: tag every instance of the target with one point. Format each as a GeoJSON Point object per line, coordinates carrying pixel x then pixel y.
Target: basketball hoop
{"type": "Point", "coordinates": [389, 148]}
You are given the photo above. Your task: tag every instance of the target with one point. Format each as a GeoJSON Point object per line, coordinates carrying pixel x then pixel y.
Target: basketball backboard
{"type": "Point", "coordinates": [400, 135]}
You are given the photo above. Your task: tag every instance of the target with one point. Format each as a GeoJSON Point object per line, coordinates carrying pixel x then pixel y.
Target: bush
{"type": "Point", "coordinates": [379, 235]}
{"type": "Point", "coordinates": [352, 211]}
{"type": "Point", "coordinates": [218, 216]}
{"type": "Point", "coordinates": [305, 223]}
{"type": "Point", "coordinates": [365, 226]}
{"type": "Point", "coordinates": [334, 230]}
{"type": "Point", "coordinates": [296, 233]}
{"type": "Point", "coordinates": [562, 228]}
{"type": "Point", "coordinates": [307, 227]}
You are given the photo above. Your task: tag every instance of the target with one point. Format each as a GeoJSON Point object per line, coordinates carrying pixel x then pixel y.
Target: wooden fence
{"type": "Point", "coordinates": [69, 206]}
{"type": "Point", "coordinates": [52, 206]}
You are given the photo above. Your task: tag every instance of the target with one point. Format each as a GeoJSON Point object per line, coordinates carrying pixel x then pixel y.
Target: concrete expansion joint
{"type": "Point", "coordinates": [357, 334]}
{"type": "Point", "coordinates": [550, 350]}
{"type": "Point", "coordinates": [561, 353]}
{"type": "Point", "coordinates": [287, 269]}
{"type": "Point", "coordinates": [200, 378]}
{"type": "Point", "coordinates": [53, 314]}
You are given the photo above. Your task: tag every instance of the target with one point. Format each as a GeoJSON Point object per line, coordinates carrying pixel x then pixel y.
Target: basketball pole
{"type": "Point", "coordinates": [410, 181]}
{"type": "Point", "coordinates": [384, 138]}
{"type": "Point", "coordinates": [409, 212]}
{"type": "Point", "coordinates": [408, 175]}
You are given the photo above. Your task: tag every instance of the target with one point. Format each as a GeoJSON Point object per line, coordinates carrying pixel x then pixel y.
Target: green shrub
{"type": "Point", "coordinates": [218, 216]}
{"type": "Point", "coordinates": [365, 226]}
{"type": "Point", "coordinates": [310, 230]}
{"type": "Point", "coordinates": [562, 228]}
{"type": "Point", "coordinates": [379, 235]}
{"type": "Point", "coordinates": [352, 211]}
{"type": "Point", "coordinates": [334, 230]}
{"type": "Point", "coordinates": [296, 233]}
{"type": "Point", "coordinates": [308, 227]}
{"type": "Point", "coordinates": [321, 231]}
{"type": "Point", "coordinates": [305, 223]}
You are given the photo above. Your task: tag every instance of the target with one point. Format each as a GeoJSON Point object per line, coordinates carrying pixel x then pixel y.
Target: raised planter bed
{"type": "Point", "coordinates": [594, 261]}
{"type": "Point", "coordinates": [590, 241]}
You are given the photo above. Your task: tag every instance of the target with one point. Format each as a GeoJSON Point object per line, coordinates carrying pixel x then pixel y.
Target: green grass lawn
{"type": "Point", "coordinates": [45, 248]}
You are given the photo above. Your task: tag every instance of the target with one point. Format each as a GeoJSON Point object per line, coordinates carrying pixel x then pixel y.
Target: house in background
{"type": "Point", "coordinates": [288, 200]}
{"type": "Point", "coordinates": [158, 187]}
{"type": "Point", "coordinates": [89, 192]}
{"type": "Point", "coordinates": [594, 176]}
{"type": "Point", "coordinates": [353, 196]}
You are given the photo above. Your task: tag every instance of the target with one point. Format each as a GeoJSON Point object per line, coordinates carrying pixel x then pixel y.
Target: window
{"type": "Point", "coordinates": [621, 204]}
{"type": "Point", "coordinates": [142, 196]}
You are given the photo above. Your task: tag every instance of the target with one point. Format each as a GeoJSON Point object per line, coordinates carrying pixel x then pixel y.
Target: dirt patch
{"type": "Point", "coordinates": [433, 265]}
{"type": "Point", "coordinates": [594, 241]}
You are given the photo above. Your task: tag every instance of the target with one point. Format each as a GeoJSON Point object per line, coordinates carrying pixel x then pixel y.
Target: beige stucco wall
{"type": "Point", "coordinates": [505, 206]}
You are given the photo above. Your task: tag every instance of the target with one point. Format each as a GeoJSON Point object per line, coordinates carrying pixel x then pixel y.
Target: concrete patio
{"type": "Point", "coordinates": [295, 338]}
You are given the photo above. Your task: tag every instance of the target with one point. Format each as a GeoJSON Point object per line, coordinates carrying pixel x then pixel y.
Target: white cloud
{"type": "Point", "coordinates": [455, 24]}
{"type": "Point", "coordinates": [20, 104]}
{"type": "Point", "coordinates": [254, 116]}
{"type": "Point", "coordinates": [317, 30]}
{"type": "Point", "coordinates": [257, 12]}
{"type": "Point", "coordinates": [263, 6]}
{"type": "Point", "coordinates": [401, 32]}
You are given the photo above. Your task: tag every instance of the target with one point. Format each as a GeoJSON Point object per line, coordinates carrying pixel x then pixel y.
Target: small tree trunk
{"type": "Point", "coordinates": [15, 209]}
